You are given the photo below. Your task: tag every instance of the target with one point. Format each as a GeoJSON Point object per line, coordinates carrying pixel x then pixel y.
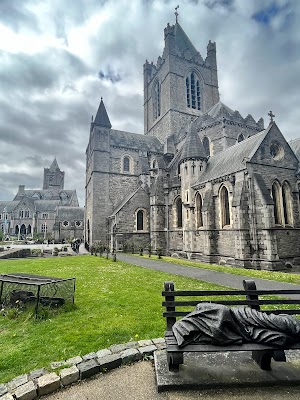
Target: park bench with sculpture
{"type": "Point", "coordinates": [231, 320]}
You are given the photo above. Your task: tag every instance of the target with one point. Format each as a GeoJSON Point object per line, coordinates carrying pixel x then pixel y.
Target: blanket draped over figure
{"type": "Point", "coordinates": [217, 324]}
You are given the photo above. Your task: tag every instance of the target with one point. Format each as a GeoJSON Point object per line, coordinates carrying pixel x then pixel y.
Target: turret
{"type": "Point", "coordinates": [211, 59]}
{"type": "Point", "coordinates": [192, 163]}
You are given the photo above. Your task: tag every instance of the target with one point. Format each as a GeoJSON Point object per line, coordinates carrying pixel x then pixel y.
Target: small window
{"type": "Point", "coordinates": [126, 164]}
{"type": "Point", "coordinates": [241, 138]}
{"type": "Point", "coordinates": [224, 202]}
{"type": "Point", "coordinates": [156, 99]}
{"type": "Point", "coordinates": [193, 95]}
{"type": "Point", "coordinates": [78, 223]}
{"type": "Point", "coordinates": [26, 214]}
{"type": "Point", "coordinates": [65, 223]}
{"type": "Point", "coordinates": [206, 145]}
{"type": "Point", "coordinates": [44, 228]}
{"type": "Point", "coordinates": [179, 213]}
{"type": "Point", "coordinates": [140, 220]}
{"type": "Point", "coordinates": [45, 215]}
{"type": "Point", "coordinates": [277, 203]}
{"type": "Point", "coordinates": [199, 220]}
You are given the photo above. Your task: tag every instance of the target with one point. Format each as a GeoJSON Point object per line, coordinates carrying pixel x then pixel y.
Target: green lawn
{"type": "Point", "coordinates": [115, 303]}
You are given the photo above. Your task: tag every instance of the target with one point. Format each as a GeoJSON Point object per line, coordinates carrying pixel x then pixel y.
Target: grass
{"type": "Point", "coordinates": [271, 275]}
{"type": "Point", "coordinates": [115, 303]}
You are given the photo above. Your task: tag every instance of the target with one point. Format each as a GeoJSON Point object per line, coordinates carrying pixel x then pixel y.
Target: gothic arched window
{"type": "Point", "coordinates": [224, 203]}
{"type": "Point", "coordinates": [199, 219]}
{"type": "Point", "coordinates": [126, 164]}
{"type": "Point", "coordinates": [156, 102]}
{"type": "Point", "coordinates": [179, 213]}
{"type": "Point", "coordinates": [140, 220]}
{"type": "Point", "coordinates": [276, 195]}
{"type": "Point", "coordinates": [287, 204]}
{"type": "Point", "coordinates": [193, 99]}
{"type": "Point", "coordinates": [205, 143]}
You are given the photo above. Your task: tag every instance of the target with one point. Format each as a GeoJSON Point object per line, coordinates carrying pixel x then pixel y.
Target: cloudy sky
{"type": "Point", "coordinates": [58, 57]}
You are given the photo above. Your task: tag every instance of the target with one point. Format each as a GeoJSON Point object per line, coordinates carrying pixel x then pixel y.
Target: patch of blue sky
{"type": "Point", "coordinates": [265, 15]}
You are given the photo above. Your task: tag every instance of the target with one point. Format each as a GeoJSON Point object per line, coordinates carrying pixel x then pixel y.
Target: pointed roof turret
{"type": "Point", "coordinates": [101, 118]}
{"type": "Point", "coordinates": [193, 148]}
{"type": "Point", "coordinates": [54, 166]}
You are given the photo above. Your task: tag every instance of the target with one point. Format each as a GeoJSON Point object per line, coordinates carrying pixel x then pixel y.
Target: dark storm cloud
{"type": "Point", "coordinates": [16, 14]}
{"type": "Point", "coordinates": [110, 75]}
{"type": "Point", "coordinates": [47, 97]}
{"type": "Point", "coordinates": [43, 70]}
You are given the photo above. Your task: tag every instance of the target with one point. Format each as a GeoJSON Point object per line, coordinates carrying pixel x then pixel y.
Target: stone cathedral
{"type": "Point", "coordinates": [202, 182]}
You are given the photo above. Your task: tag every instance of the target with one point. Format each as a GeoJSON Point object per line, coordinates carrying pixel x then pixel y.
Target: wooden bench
{"type": "Point", "coordinates": [261, 353]}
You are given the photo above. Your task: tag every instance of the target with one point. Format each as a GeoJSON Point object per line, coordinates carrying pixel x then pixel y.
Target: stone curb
{"type": "Point", "coordinates": [40, 382]}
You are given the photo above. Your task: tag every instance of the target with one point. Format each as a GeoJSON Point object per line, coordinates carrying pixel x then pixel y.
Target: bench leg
{"type": "Point", "coordinates": [279, 355]}
{"type": "Point", "coordinates": [174, 360]}
{"type": "Point", "coordinates": [263, 358]}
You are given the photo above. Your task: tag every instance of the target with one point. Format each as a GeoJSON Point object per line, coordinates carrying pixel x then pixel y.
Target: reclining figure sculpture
{"type": "Point", "coordinates": [216, 324]}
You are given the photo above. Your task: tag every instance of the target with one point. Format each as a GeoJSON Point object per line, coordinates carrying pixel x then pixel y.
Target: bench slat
{"type": "Point", "coordinates": [183, 313]}
{"type": "Point", "coordinates": [210, 293]}
{"type": "Point", "coordinates": [230, 302]}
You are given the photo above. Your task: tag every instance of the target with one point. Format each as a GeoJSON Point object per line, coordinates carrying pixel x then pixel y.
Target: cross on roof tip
{"type": "Point", "coordinates": [271, 115]}
{"type": "Point", "coordinates": [176, 13]}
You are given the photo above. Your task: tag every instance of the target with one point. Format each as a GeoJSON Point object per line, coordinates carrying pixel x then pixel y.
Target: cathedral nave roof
{"type": "Point", "coordinates": [232, 159]}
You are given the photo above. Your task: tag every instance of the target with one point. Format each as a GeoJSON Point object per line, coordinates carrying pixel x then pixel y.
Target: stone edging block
{"type": "Point", "coordinates": [41, 382]}
{"type": "Point", "coordinates": [26, 391]}
{"type": "Point", "coordinates": [48, 383]}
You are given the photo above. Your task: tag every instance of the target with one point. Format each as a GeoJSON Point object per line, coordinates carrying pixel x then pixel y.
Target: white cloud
{"type": "Point", "coordinates": [51, 53]}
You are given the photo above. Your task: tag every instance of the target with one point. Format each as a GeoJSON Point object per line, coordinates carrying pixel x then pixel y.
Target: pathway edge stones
{"type": "Point", "coordinates": [40, 382]}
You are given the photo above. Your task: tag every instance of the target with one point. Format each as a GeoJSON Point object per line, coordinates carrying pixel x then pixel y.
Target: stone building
{"type": "Point", "coordinates": [202, 182]}
{"type": "Point", "coordinates": [52, 212]}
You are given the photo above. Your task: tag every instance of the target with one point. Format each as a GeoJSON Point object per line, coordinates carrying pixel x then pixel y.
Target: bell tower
{"type": "Point", "coordinates": [53, 177]}
{"type": "Point", "coordinates": [180, 86]}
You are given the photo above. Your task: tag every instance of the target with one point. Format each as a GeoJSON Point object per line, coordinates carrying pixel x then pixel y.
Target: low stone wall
{"type": "Point", "coordinates": [15, 253]}
{"type": "Point", "coordinates": [42, 381]}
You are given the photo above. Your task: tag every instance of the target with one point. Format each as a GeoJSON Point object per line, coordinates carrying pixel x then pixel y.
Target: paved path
{"type": "Point", "coordinates": [219, 278]}
{"type": "Point", "coordinates": [137, 382]}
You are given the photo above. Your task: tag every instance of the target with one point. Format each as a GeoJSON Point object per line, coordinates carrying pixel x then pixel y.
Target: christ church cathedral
{"type": "Point", "coordinates": [202, 182]}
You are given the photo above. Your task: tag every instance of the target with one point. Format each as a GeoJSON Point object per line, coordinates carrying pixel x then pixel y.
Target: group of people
{"type": "Point", "coordinates": [75, 245]}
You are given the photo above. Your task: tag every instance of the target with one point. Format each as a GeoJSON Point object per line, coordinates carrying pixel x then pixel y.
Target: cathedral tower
{"type": "Point", "coordinates": [180, 87]}
{"type": "Point", "coordinates": [98, 206]}
{"type": "Point", "coordinates": [53, 177]}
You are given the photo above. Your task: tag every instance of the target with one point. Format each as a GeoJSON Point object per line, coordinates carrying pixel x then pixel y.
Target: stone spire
{"type": "Point", "coordinates": [193, 148]}
{"type": "Point", "coordinates": [101, 118]}
{"type": "Point", "coordinates": [54, 166]}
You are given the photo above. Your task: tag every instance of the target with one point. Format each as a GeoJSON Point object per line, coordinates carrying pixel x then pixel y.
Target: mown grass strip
{"type": "Point", "coordinates": [115, 303]}
{"type": "Point", "coordinates": [251, 273]}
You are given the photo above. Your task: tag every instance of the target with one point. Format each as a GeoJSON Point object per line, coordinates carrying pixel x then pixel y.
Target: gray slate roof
{"type": "Point", "coordinates": [135, 141]}
{"type": "Point", "coordinates": [193, 147]}
{"type": "Point", "coordinates": [295, 146]}
{"type": "Point", "coordinates": [101, 118]}
{"type": "Point", "coordinates": [70, 213]}
{"type": "Point", "coordinates": [9, 205]}
{"type": "Point", "coordinates": [54, 166]}
{"type": "Point", "coordinates": [232, 159]}
{"type": "Point", "coordinates": [123, 202]}
{"type": "Point", "coordinates": [183, 42]}
{"type": "Point", "coordinates": [55, 194]}
{"type": "Point", "coordinates": [46, 205]}
{"type": "Point", "coordinates": [219, 109]}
